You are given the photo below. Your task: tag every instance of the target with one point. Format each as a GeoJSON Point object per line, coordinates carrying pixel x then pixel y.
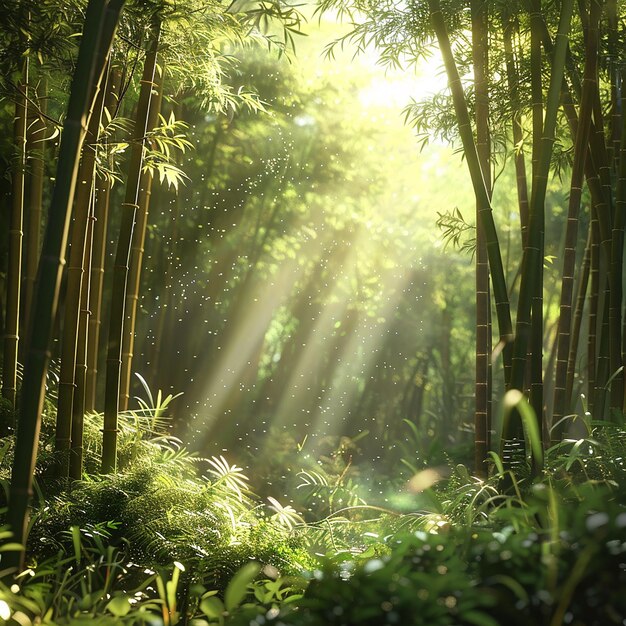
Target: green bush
{"type": "Point", "coordinates": [567, 568]}
{"type": "Point", "coordinates": [165, 513]}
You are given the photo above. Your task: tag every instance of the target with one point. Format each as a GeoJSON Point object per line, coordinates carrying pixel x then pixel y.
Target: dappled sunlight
{"type": "Point", "coordinates": [305, 330]}
{"type": "Point", "coordinates": [338, 411]}
{"type": "Point", "coordinates": [311, 293]}
{"type": "Point", "coordinates": [243, 335]}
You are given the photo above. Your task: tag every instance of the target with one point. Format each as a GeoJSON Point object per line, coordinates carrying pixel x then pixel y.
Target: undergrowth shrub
{"type": "Point", "coordinates": [164, 504]}
{"type": "Point", "coordinates": [463, 551]}
{"type": "Point", "coordinates": [571, 570]}
{"type": "Point", "coordinates": [166, 512]}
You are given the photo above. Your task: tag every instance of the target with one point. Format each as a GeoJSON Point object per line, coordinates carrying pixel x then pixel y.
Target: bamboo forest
{"type": "Point", "coordinates": [313, 312]}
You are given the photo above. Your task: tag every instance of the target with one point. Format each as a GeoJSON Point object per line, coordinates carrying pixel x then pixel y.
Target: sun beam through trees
{"type": "Point", "coordinates": [312, 313]}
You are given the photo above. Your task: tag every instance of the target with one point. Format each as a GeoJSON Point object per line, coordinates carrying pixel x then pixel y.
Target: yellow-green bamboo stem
{"type": "Point", "coordinates": [14, 274]}
{"type": "Point", "coordinates": [120, 276]}
{"type": "Point", "coordinates": [480, 189]}
{"type": "Point", "coordinates": [99, 28]}
{"type": "Point", "coordinates": [103, 195]}
{"type": "Point", "coordinates": [75, 272]}
{"type": "Point", "coordinates": [136, 256]}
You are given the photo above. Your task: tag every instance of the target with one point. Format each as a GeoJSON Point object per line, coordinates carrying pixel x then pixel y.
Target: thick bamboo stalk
{"type": "Point", "coordinates": [120, 276]}
{"type": "Point", "coordinates": [594, 257]}
{"type": "Point", "coordinates": [100, 22]}
{"type": "Point", "coordinates": [533, 254]}
{"type": "Point", "coordinates": [136, 256]}
{"type": "Point", "coordinates": [605, 299]}
{"type": "Point", "coordinates": [616, 124]}
{"type": "Point", "coordinates": [102, 200]}
{"type": "Point", "coordinates": [14, 273]}
{"type": "Point", "coordinates": [601, 397]}
{"type": "Point", "coordinates": [36, 149]}
{"type": "Point", "coordinates": [594, 275]}
{"type": "Point", "coordinates": [535, 349]}
{"type": "Point", "coordinates": [80, 375]}
{"type": "Point", "coordinates": [618, 388]}
{"type": "Point", "coordinates": [75, 278]}
{"type": "Point", "coordinates": [536, 88]}
{"type": "Point", "coordinates": [518, 133]}
{"type": "Point", "coordinates": [590, 82]}
{"type": "Point", "coordinates": [480, 189]}
{"type": "Point", "coordinates": [483, 303]}
{"type": "Point", "coordinates": [581, 294]}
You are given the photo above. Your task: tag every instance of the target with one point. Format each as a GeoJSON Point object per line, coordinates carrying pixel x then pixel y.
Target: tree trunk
{"type": "Point", "coordinates": [102, 199]}
{"type": "Point", "coordinates": [74, 289]}
{"type": "Point", "coordinates": [136, 256]}
{"type": "Point", "coordinates": [100, 23]}
{"type": "Point", "coordinates": [120, 276]}
{"type": "Point", "coordinates": [14, 273]}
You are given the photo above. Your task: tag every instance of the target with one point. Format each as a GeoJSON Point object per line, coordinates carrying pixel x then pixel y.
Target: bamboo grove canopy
{"type": "Point", "coordinates": [534, 86]}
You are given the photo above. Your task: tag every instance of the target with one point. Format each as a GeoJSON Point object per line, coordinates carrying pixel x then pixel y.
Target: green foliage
{"type": "Point", "coordinates": [454, 230]}
{"type": "Point", "coordinates": [565, 564]}
{"type": "Point", "coordinates": [164, 142]}
{"type": "Point", "coordinates": [165, 512]}
{"type": "Point", "coordinates": [551, 552]}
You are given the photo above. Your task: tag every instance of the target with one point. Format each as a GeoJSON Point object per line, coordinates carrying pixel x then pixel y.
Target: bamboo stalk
{"type": "Point", "coordinates": [480, 189]}
{"type": "Point", "coordinates": [594, 275]}
{"type": "Point", "coordinates": [136, 256]}
{"type": "Point", "coordinates": [536, 89]}
{"type": "Point", "coordinates": [74, 290]}
{"type": "Point", "coordinates": [99, 28]}
{"type": "Point", "coordinates": [599, 182]}
{"type": "Point", "coordinates": [37, 147]}
{"type": "Point", "coordinates": [120, 277]}
{"type": "Point", "coordinates": [101, 215]}
{"type": "Point", "coordinates": [535, 351]}
{"type": "Point", "coordinates": [561, 400]}
{"type": "Point", "coordinates": [533, 254]}
{"type": "Point", "coordinates": [518, 133]}
{"type": "Point", "coordinates": [605, 299]}
{"type": "Point", "coordinates": [80, 375]}
{"type": "Point", "coordinates": [483, 304]}
{"type": "Point", "coordinates": [618, 388]}
{"type": "Point", "coordinates": [14, 273]}
{"type": "Point", "coordinates": [616, 124]}
{"type": "Point", "coordinates": [581, 293]}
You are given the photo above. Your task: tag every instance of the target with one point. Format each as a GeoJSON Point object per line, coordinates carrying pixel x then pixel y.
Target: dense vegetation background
{"type": "Point", "coordinates": [379, 266]}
